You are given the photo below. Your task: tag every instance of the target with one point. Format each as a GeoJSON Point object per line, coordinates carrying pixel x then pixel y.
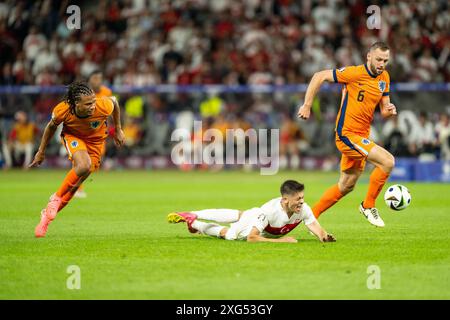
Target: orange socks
{"type": "Point", "coordinates": [65, 200]}
{"type": "Point", "coordinates": [330, 197]}
{"type": "Point", "coordinates": [68, 188]}
{"type": "Point", "coordinates": [70, 181]}
{"type": "Point", "coordinates": [377, 180]}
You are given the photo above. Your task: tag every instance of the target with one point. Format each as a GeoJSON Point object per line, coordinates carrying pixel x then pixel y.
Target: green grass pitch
{"type": "Point", "coordinates": [125, 249]}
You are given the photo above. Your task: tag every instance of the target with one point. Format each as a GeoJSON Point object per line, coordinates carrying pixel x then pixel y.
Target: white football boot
{"type": "Point", "coordinates": [372, 215]}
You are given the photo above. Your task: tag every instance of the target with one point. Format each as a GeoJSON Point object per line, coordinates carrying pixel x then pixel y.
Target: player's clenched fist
{"type": "Point", "coordinates": [304, 112]}
{"type": "Point", "coordinates": [391, 109]}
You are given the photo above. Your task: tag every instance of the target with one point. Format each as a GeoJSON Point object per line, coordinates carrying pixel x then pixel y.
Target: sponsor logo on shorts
{"type": "Point", "coordinates": [74, 144]}
{"type": "Point", "coordinates": [365, 141]}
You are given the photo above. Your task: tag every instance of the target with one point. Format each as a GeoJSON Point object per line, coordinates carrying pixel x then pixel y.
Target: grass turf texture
{"type": "Point", "coordinates": [120, 239]}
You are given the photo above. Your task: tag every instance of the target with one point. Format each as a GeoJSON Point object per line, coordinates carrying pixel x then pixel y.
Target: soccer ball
{"type": "Point", "coordinates": [397, 197]}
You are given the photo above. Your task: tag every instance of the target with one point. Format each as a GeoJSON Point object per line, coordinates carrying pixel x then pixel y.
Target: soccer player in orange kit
{"type": "Point", "coordinates": [84, 132]}
{"type": "Point", "coordinates": [95, 81]}
{"type": "Point", "coordinates": [365, 87]}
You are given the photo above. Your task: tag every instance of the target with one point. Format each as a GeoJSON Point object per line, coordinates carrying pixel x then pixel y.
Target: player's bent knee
{"type": "Point", "coordinates": [347, 188]}
{"type": "Point", "coordinates": [347, 185]}
{"type": "Point", "coordinates": [389, 163]}
{"type": "Point", "coordinates": [83, 169]}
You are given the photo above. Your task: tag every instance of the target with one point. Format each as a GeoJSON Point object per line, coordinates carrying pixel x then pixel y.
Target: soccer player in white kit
{"type": "Point", "coordinates": [269, 223]}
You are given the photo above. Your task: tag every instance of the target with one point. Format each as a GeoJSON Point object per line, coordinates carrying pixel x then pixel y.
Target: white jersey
{"type": "Point", "coordinates": [278, 222]}
{"type": "Point", "coordinates": [270, 219]}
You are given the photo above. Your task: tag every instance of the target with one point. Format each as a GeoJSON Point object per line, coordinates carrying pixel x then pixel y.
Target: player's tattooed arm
{"type": "Point", "coordinates": [387, 108]}
{"type": "Point", "coordinates": [119, 136]}
{"type": "Point", "coordinates": [320, 233]}
{"type": "Point", "coordinates": [255, 236]}
{"type": "Point", "coordinates": [314, 87]}
{"type": "Point", "coordinates": [49, 132]}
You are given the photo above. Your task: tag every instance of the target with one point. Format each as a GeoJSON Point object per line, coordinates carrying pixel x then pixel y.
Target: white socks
{"type": "Point", "coordinates": [210, 229]}
{"type": "Point", "coordinates": [218, 215]}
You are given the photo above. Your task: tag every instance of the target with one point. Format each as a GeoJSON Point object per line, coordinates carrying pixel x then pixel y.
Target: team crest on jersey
{"type": "Point", "coordinates": [341, 69]}
{"type": "Point", "coordinates": [365, 141]}
{"type": "Point", "coordinates": [74, 144]}
{"type": "Point", "coordinates": [95, 124]}
{"type": "Point", "coordinates": [382, 85]}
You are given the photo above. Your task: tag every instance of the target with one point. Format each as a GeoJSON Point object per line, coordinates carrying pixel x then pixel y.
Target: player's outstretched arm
{"type": "Point", "coordinates": [387, 108]}
{"type": "Point", "coordinates": [255, 236]}
{"type": "Point", "coordinates": [119, 136]}
{"type": "Point", "coordinates": [314, 86]}
{"type": "Point", "coordinates": [49, 132]}
{"type": "Point", "coordinates": [320, 233]}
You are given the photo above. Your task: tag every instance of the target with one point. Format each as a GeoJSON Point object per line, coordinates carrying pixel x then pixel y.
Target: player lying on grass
{"type": "Point", "coordinates": [84, 132]}
{"type": "Point", "coordinates": [268, 223]}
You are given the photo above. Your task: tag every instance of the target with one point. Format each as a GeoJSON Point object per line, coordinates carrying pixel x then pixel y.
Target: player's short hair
{"type": "Point", "coordinates": [74, 92]}
{"type": "Point", "coordinates": [96, 71]}
{"type": "Point", "coordinates": [290, 187]}
{"type": "Point", "coordinates": [379, 45]}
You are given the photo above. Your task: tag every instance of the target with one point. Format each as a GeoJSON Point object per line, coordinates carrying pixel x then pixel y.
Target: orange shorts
{"type": "Point", "coordinates": [355, 150]}
{"type": "Point", "coordinates": [95, 150]}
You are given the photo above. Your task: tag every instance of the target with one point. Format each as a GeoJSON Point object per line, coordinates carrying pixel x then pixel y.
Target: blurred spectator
{"type": "Point", "coordinates": [95, 80]}
{"type": "Point", "coordinates": [22, 138]}
{"type": "Point", "coordinates": [33, 43]}
{"type": "Point", "coordinates": [422, 136]}
{"type": "Point", "coordinates": [46, 59]}
{"type": "Point", "coordinates": [7, 76]}
{"type": "Point", "coordinates": [212, 106]}
{"type": "Point", "coordinates": [20, 69]}
{"type": "Point", "coordinates": [132, 131]}
{"type": "Point", "coordinates": [395, 137]}
{"type": "Point", "coordinates": [443, 136]}
{"type": "Point", "coordinates": [292, 142]}
{"type": "Point", "coordinates": [5, 153]}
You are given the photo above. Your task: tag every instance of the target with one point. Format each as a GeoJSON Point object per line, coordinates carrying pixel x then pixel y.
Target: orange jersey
{"type": "Point", "coordinates": [361, 94]}
{"type": "Point", "coordinates": [104, 92]}
{"type": "Point", "coordinates": [90, 129]}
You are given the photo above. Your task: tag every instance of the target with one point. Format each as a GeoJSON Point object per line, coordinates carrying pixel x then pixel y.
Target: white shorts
{"type": "Point", "coordinates": [241, 229]}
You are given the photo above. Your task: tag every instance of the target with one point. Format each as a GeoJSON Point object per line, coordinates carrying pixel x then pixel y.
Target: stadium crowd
{"type": "Point", "coordinates": [143, 42]}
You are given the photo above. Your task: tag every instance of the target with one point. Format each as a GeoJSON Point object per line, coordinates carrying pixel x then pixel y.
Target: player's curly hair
{"type": "Point", "coordinates": [74, 92]}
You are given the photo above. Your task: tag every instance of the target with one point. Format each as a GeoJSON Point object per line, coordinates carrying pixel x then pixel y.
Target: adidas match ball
{"type": "Point", "coordinates": [397, 197]}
